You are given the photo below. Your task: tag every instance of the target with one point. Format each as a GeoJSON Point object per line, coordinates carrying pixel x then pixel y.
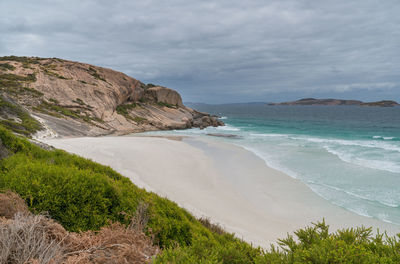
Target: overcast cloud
{"type": "Point", "coordinates": [221, 51]}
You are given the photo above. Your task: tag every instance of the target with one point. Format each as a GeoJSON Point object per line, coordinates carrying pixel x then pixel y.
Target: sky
{"type": "Point", "coordinates": [221, 51]}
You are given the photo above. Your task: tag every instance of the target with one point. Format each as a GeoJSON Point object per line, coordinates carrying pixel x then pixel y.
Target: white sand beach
{"type": "Point", "coordinates": [223, 182]}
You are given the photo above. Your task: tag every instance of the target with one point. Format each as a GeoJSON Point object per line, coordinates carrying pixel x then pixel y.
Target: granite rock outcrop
{"type": "Point", "coordinates": [79, 99]}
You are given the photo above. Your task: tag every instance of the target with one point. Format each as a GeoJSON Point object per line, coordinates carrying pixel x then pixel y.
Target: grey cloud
{"type": "Point", "coordinates": [221, 51]}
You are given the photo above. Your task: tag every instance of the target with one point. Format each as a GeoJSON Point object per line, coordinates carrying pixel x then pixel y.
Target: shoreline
{"type": "Point", "coordinates": [221, 181]}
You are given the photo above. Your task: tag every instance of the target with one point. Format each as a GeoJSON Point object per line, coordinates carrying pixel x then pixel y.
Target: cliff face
{"type": "Point", "coordinates": [77, 99]}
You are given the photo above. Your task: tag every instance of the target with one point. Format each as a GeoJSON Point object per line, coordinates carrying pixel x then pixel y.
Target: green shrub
{"type": "Point", "coordinates": [53, 108]}
{"type": "Point", "coordinates": [79, 101]}
{"type": "Point", "coordinates": [34, 92]}
{"type": "Point", "coordinates": [92, 71]}
{"type": "Point", "coordinates": [125, 108]}
{"type": "Point", "coordinates": [80, 199]}
{"type": "Point", "coordinates": [26, 60]}
{"type": "Point", "coordinates": [167, 105]}
{"type": "Point", "coordinates": [316, 245]}
{"type": "Point", "coordinates": [139, 119]}
{"type": "Point", "coordinates": [6, 67]}
{"type": "Point", "coordinates": [53, 74]}
{"type": "Point", "coordinates": [18, 78]}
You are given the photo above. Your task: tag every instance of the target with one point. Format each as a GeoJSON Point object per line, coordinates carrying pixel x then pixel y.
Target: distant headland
{"type": "Point", "coordinates": [313, 101]}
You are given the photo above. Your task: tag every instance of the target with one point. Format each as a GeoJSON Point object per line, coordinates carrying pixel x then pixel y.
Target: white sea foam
{"type": "Point", "coordinates": [358, 196]}
{"type": "Point", "coordinates": [223, 118]}
{"type": "Point", "coordinates": [384, 217]}
{"type": "Point", "coordinates": [388, 138]}
{"type": "Point", "coordinates": [268, 135]}
{"type": "Point", "coordinates": [339, 200]}
{"type": "Point", "coordinates": [359, 143]}
{"type": "Point", "coordinates": [228, 128]}
{"type": "Point", "coordinates": [384, 138]}
{"type": "Point", "coordinates": [360, 211]}
{"type": "Point", "coordinates": [270, 163]}
{"type": "Point", "coordinates": [348, 157]}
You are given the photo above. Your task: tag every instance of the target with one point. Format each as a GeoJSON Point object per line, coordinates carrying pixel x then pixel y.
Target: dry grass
{"type": "Point", "coordinates": [10, 204]}
{"type": "Point", "coordinates": [36, 239]}
{"type": "Point", "coordinates": [141, 217]}
{"type": "Point", "coordinates": [113, 244]}
{"type": "Point", "coordinates": [24, 239]}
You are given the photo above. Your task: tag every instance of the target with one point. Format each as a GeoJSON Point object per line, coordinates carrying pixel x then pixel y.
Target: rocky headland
{"type": "Point", "coordinates": [77, 99]}
{"type": "Point", "coordinates": [313, 101]}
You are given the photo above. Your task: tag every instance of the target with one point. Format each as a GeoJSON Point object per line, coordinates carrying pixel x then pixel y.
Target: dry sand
{"type": "Point", "coordinates": [226, 183]}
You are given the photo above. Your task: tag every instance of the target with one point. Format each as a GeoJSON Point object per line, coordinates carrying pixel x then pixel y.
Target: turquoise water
{"type": "Point", "coordinates": [348, 155]}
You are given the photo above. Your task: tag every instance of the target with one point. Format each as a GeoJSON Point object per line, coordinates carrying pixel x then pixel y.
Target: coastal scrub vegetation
{"type": "Point", "coordinates": [166, 105]}
{"type": "Point", "coordinates": [17, 119]}
{"type": "Point", "coordinates": [84, 196]}
{"type": "Point", "coordinates": [29, 238]}
{"type": "Point", "coordinates": [124, 110]}
{"type": "Point", "coordinates": [92, 71]}
{"type": "Point", "coordinates": [16, 85]}
{"type": "Point", "coordinates": [25, 61]}
{"type": "Point", "coordinates": [54, 108]}
{"type": "Point", "coordinates": [53, 74]}
{"type": "Point", "coordinates": [6, 67]}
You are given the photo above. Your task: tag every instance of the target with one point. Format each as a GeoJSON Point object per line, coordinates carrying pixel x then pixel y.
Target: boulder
{"type": "Point", "coordinates": [163, 95]}
{"type": "Point", "coordinates": [206, 120]}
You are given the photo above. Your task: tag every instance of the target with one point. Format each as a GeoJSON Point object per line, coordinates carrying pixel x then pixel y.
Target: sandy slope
{"type": "Point", "coordinates": [230, 185]}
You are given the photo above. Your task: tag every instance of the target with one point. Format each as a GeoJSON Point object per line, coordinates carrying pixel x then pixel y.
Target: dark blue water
{"type": "Point", "coordinates": [349, 155]}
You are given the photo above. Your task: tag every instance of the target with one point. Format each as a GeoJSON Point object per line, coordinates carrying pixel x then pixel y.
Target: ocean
{"type": "Point", "coordinates": [349, 155]}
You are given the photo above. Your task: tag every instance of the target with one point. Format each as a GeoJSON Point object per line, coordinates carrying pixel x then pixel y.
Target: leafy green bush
{"type": "Point", "coordinates": [6, 67]}
{"type": "Point", "coordinates": [166, 105]}
{"type": "Point", "coordinates": [125, 108]}
{"type": "Point", "coordinates": [15, 84]}
{"type": "Point", "coordinates": [53, 74]}
{"type": "Point", "coordinates": [18, 78]}
{"type": "Point", "coordinates": [24, 60]}
{"type": "Point", "coordinates": [92, 71]}
{"type": "Point", "coordinates": [316, 245]}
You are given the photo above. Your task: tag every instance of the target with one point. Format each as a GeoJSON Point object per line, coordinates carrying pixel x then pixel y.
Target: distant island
{"type": "Point", "coordinates": [313, 101]}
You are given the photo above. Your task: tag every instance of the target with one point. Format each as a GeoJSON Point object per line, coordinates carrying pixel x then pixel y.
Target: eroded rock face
{"type": "Point", "coordinates": [80, 99]}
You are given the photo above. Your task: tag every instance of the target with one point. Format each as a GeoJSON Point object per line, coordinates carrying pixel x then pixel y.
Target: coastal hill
{"type": "Point", "coordinates": [78, 99]}
{"type": "Point", "coordinates": [313, 101]}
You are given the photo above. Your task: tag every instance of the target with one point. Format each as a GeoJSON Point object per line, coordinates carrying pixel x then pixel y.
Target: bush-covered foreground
{"type": "Point", "coordinates": [83, 195]}
{"type": "Point", "coordinates": [36, 239]}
